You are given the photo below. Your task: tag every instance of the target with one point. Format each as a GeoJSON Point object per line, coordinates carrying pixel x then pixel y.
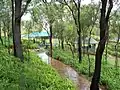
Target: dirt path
{"type": "Point", "coordinates": [66, 71]}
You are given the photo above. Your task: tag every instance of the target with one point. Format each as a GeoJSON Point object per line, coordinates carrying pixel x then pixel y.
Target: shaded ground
{"type": "Point", "coordinates": [67, 71]}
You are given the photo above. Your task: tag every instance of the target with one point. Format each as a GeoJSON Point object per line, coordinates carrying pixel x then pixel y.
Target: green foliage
{"type": "Point", "coordinates": [67, 58]}
{"type": "Point", "coordinates": [111, 49]}
{"type": "Point", "coordinates": [29, 44]}
{"type": "Point", "coordinates": [7, 42]}
{"type": "Point", "coordinates": [109, 76]}
{"type": "Point", "coordinates": [30, 75]}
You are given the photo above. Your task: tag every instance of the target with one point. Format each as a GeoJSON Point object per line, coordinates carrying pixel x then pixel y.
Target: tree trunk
{"type": "Point", "coordinates": [106, 52]}
{"type": "Point", "coordinates": [101, 46]}
{"type": "Point", "coordinates": [79, 33]}
{"type": "Point", "coordinates": [116, 50]}
{"type": "Point", "coordinates": [0, 34]}
{"type": "Point", "coordinates": [62, 44]}
{"type": "Point", "coordinates": [13, 18]}
{"type": "Point", "coordinates": [8, 38]}
{"type": "Point", "coordinates": [4, 36]}
{"type": "Point", "coordinates": [83, 44]}
{"type": "Point", "coordinates": [89, 63]}
{"type": "Point", "coordinates": [72, 51]}
{"type": "Point", "coordinates": [59, 42]}
{"type": "Point", "coordinates": [51, 41]}
{"type": "Point", "coordinates": [17, 31]}
{"type": "Point", "coordinates": [79, 48]}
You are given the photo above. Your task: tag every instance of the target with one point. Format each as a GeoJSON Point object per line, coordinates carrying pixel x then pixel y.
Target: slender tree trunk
{"type": "Point", "coordinates": [106, 52]}
{"type": "Point", "coordinates": [72, 51]}
{"type": "Point", "coordinates": [51, 41]}
{"type": "Point", "coordinates": [8, 39]}
{"type": "Point", "coordinates": [0, 34]}
{"type": "Point", "coordinates": [79, 33]}
{"type": "Point", "coordinates": [17, 31]}
{"type": "Point", "coordinates": [5, 36]}
{"type": "Point", "coordinates": [78, 25]}
{"type": "Point", "coordinates": [89, 63]}
{"type": "Point", "coordinates": [13, 23]}
{"type": "Point", "coordinates": [116, 50]}
{"type": "Point", "coordinates": [62, 44]}
{"type": "Point", "coordinates": [59, 42]}
{"type": "Point", "coordinates": [73, 47]}
{"type": "Point", "coordinates": [101, 46]}
{"type": "Point", "coordinates": [83, 44]}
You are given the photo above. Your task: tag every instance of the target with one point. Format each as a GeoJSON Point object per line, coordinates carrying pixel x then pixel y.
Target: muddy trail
{"type": "Point", "coordinates": [79, 81]}
{"type": "Point", "coordinates": [66, 71]}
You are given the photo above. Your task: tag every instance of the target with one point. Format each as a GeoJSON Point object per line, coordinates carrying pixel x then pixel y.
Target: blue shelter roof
{"type": "Point", "coordinates": [38, 34]}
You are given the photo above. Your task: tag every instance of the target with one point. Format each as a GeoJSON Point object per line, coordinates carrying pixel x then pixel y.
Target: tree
{"type": "Point", "coordinates": [0, 34]}
{"type": "Point", "coordinates": [17, 13]}
{"type": "Point", "coordinates": [104, 18]}
{"type": "Point", "coordinates": [50, 14]}
{"type": "Point", "coordinates": [115, 29]}
{"type": "Point", "coordinates": [74, 7]}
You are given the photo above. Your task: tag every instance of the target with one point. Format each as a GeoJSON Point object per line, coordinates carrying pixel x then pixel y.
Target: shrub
{"type": "Point", "coordinates": [30, 75]}
{"type": "Point", "coordinates": [29, 44]}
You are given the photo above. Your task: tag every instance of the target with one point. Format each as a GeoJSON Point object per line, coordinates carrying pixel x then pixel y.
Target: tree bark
{"type": "Point", "coordinates": [13, 18]}
{"type": "Point", "coordinates": [4, 36]}
{"type": "Point", "coordinates": [17, 31]}
{"type": "Point", "coordinates": [8, 38]}
{"type": "Point", "coordinates": [51, 41]}
{"type": "Point", "coordinates": [0, 34]}
{"type": "Point", "coordinates": [16, 26]}
{"type": "Point", "coordinates": [78, 25]}
{"type": "Point", "coordinates": [72, 51]}
{"type": "Point", "coordinates": [101, 46]}
{"type": "Point", "coordinates": [79, 33]}
{"type": "Point", "coordinates": [116, 50]}
{"type": "Point", "coordinates": [62, 44]}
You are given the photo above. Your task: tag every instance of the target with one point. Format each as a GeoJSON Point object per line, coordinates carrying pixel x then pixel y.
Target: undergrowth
{"type": "Point", "coordinates": [110, 77]}
{"type": "Point", "coordinates": [30, 75]}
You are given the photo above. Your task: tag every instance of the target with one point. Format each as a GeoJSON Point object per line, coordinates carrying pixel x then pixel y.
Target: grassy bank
{"type": "Point", "coordinates": [30, 75]}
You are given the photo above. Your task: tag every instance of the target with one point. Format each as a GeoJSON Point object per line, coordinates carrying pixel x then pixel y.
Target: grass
{"type": "Point", "coordinates": [33, 74]}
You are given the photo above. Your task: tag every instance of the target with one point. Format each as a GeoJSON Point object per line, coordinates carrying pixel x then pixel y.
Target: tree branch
{"type": "Point", "coordinates": [109, 10]}
{"type": "Point", "coordinates": [115, 10]}
{"type": "Point", "coordinates": [75, 3]}
{"type": "Point", "coordinates": [27, 3]}
{"type": "Point", "coordinates": [71, 12]}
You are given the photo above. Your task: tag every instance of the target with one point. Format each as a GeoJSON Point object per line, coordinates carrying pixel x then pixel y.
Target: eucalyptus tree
{"type": "Point", "coordinates": [6, 21]}
{"type": "Point", "coordinates": [49, 13]}
{"type": "Point", "coordinates": [60, 24]}
{"type": "Point", "coordinates": [104, 27]}
{"type": "Point", "coordinates": [58, 31]}
{"type": "Point", "coordinates": [74, 7]}
{"type": "Point", "coordinates": [70, 36]}
{"type": "Point", "coordinates": [18, 9]}
{"type": "Point", "coordinates": [89, 14]}
{"type": "Point", "coordinates": [115, 29]}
